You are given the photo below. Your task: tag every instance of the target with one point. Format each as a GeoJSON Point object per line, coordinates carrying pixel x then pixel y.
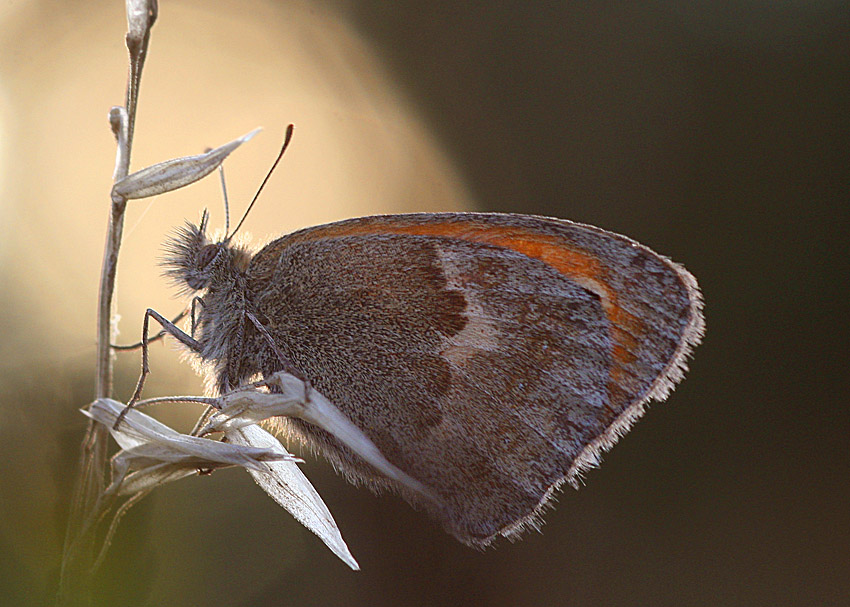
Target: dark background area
{"type": "Point", "coordinates": [715, 133]}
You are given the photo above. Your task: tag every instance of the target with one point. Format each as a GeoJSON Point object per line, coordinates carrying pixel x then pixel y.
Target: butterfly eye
{"type": "Point", "coordinates": [206, 255]}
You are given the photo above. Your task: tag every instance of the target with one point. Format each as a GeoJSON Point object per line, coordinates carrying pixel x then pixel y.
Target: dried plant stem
{"type": "Point", "coordinates": [89, 505]}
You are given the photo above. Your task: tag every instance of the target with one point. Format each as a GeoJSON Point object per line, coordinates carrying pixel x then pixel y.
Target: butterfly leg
{"type": "Point", "coordinates": [196, 303]}
{"type": "Point", "coordinates": [156, 337]}
{"type": "Point", "coordinates": [169, 328]}
{"type": "Point", "coordinates": [288, 365]}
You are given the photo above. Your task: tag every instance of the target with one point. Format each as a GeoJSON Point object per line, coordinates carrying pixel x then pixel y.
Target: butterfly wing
{"type": "Point", "coordinates": [489, 356]}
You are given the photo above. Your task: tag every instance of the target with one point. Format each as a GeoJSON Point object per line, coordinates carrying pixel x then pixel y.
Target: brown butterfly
{"type": "Point", "coordinates": [491, 357]}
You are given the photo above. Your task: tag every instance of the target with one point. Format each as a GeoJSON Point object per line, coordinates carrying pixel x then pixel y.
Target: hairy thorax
{"type": "Point", "coordinates": [224, 328]}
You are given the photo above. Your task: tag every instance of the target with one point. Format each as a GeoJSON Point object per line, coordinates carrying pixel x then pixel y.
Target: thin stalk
{"type": "Point", "coordinates": [88, 505]}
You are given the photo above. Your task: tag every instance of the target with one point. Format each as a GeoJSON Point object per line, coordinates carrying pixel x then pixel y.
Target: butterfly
{"type": "Point", "coordinates": [490, 357]}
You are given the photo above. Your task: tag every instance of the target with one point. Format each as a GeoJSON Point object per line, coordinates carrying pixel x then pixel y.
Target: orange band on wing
{"type": "Point", "coordinates": [578, 265]}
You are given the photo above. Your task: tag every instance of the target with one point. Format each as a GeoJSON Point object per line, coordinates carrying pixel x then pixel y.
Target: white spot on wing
{"type": "Point", "coordinates": [480, 332]}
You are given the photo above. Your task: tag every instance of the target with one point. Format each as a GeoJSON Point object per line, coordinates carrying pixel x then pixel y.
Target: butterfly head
{"type": "Point", "coordinates": [192, 261]}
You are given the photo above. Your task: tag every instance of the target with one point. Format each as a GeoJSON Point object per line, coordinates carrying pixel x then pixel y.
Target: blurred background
{"type": "Point", "coordinates": [713, 132]}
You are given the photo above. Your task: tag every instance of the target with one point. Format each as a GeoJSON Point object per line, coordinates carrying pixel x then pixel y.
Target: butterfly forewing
{"type": "Point", "coordinates": [491, 357]}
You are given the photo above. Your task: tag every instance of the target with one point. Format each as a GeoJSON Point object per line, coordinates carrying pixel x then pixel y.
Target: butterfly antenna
{"type": "Point", "coordinates": [226, 203]}
{"type": "Point", "coordinates": [287, 138]}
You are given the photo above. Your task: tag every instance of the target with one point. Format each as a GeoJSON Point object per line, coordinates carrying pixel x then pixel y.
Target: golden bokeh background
{"type": "Point", "coordinates": [716, 133]}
